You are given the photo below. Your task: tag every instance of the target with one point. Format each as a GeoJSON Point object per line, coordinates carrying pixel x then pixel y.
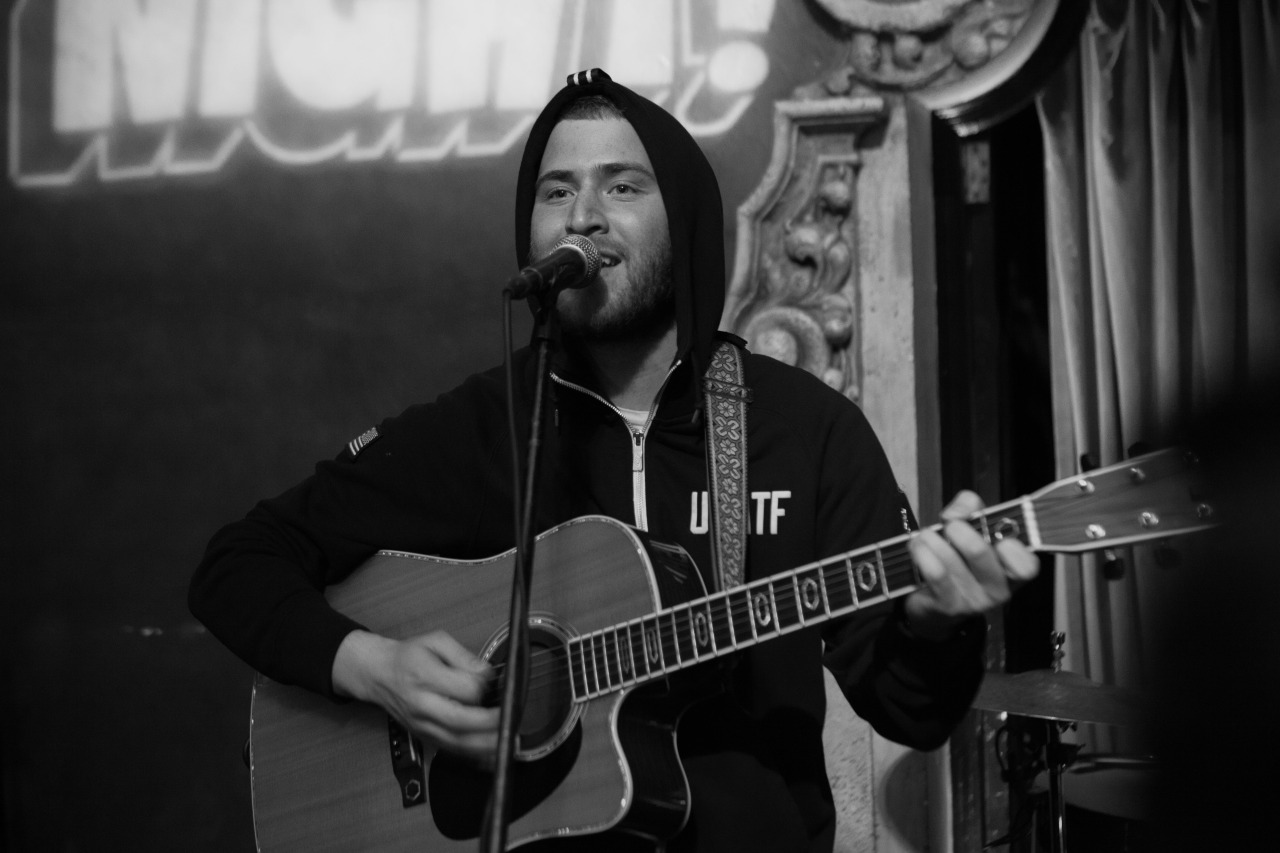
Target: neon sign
{"type": "Point", "coordinates": [126, 90]}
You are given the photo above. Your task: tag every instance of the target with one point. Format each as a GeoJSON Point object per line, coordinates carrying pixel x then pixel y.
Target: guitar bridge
{"type": "Point", "coordinates": [406, 764]}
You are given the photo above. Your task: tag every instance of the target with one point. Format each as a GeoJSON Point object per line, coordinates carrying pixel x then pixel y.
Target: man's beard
{"type": "Point", "coordinates": [645, 307]}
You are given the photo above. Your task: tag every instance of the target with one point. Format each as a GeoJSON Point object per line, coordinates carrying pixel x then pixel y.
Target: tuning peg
{"type": "Point", "coordinates": [1088, 462]}
{"type": "Point", "coordinates": [1112, 565]}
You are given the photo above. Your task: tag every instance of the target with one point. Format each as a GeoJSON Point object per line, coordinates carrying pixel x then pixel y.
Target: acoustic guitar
{"type": "Point", "coordinates": [614, 617]}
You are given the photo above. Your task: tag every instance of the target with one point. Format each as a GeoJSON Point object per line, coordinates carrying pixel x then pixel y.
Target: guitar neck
{"type": "Point", "coordinates": [675, 638]}
{"type": "Point", "coordinates": [1146, 498]}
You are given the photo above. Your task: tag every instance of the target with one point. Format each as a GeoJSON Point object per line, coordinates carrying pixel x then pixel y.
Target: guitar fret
{"type": "Point", "coordinates": [744, 624]}
{"type": "Point", "coordinates": [593, 675]}
{"type": "Point", "coordinates": [627, 631]}
{"type": "Point", "coordinates": [733, 631]}
{"type": "Point", "coordinates": [589, 668]}
{"type": "Point", "coordinates": [582, 667]}
{"type": "Point", "coordinates": [673, 637]}
{"type": "Point", "coordinates": [772, 603]}
{"type": "Point", "coordinates": [655, 658]}
{"type": "Point", "coordinates": [658, 637]}
{"type": "Point", "coordinates": [795, 596]}
{"type": "Point", "coordinates": [784, 610]}
{"type": "Point", "coordinates": [721, 622]}
{"type": "Point", "coordinates": [576, 663]}
{"type": "Point", "coordinates": [683, 626]}
{"type": "Point", "coordinates": [601, 674]}
{"type": "Point", "coordinates": [606, 661]}
{"type": "Point", "coordinates": [688, 618]}
{"type": "Point", "coordinates": [704, 638]}
{"type": "Point", "coordinates": [601, 666]}
{"type": "Point", "coordinates": [635, 632]}
{"type": "Point", "coordinates": [612, 666]}
{"type": "Point", "coordinates": [884, 582]}
{"type": "Point", "coordinates": [671, 640]}
{"type": "Point", "coordinates": [822, 588]}
{"type": "Point", "coordinates": [853, 586]}
{"type": "Point", "coordinates": [749, 613]}
{"type": "Point", "coordinates": [626, 672]}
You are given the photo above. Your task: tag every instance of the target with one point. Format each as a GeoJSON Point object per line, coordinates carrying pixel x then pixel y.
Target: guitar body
{"type": "Point", "coordinates": [324, 774]}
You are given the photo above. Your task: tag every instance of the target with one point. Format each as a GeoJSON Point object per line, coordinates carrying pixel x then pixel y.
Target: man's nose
{"type": "Point", "coordinates": [586, 216]}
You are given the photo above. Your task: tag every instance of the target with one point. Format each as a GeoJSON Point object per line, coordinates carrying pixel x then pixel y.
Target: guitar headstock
{"type": "Point", "coordinates": [1148, 497]}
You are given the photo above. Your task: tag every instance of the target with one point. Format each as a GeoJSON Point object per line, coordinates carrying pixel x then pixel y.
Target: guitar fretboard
{"type": "Point", "coordinates": [725, 622]}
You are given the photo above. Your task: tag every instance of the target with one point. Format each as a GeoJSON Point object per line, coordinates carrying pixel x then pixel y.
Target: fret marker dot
{"type": "Point", "coordinates": [763, 616]}
{"type": "Point", "coordinates": [809, 594]}
{"type": "Point", "coordinates": [865, 573]}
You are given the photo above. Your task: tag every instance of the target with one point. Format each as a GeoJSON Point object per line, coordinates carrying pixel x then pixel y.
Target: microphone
{"type": "Point", "coordinates": [572, 262]}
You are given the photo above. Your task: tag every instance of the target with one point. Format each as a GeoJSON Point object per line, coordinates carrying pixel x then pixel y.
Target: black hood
{"type": "Point", "coordinates": [690, 193]}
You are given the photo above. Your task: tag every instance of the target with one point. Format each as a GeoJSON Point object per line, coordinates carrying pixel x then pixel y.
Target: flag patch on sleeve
{"type": "Point", "coordinates": [362, 441]}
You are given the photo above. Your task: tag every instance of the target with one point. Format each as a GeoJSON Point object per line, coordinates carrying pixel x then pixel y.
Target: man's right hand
{"type": "Point", "coordinates": [430, 683]}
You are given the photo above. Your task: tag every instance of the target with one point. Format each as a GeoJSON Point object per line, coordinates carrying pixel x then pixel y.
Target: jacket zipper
{"type": "Point", "coordinates": [639, 501]}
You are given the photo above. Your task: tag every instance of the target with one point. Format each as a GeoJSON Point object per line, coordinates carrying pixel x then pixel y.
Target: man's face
{"type": "Point", "coordinates": [596, 180]}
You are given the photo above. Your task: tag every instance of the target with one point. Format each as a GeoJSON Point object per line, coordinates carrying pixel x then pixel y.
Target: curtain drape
{"type": "Point", "coordinates": [1162, 150]}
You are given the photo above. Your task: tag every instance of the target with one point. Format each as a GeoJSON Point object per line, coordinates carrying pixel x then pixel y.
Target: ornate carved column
{"type": "Point", "coordinates": [834, 272]}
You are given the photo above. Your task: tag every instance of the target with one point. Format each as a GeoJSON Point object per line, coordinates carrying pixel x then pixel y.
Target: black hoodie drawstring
{"type": "Point", "coordinates": [700, 397]}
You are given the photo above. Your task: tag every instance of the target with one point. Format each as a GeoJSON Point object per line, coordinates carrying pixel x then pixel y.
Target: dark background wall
{"type": "Point", "coordinates": [175, 347]}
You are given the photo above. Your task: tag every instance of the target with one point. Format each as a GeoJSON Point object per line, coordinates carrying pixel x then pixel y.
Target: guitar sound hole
{"type": "Point", "coordinates": [549, 712]}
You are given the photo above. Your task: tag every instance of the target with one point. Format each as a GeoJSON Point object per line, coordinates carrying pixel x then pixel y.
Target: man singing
{"type": "Point", "coordinates": [627, 440]}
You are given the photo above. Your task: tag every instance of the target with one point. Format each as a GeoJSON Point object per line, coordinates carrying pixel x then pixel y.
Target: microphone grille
{"type": "Point", "coordinates": [588, 250]}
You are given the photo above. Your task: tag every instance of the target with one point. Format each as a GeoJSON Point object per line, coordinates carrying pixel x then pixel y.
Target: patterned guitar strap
{"type": "Point", "coordinates": [727, 397]}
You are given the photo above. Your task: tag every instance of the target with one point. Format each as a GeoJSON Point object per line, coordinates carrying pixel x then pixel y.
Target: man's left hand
{"type": "Point", "coordinates": [963, 575]}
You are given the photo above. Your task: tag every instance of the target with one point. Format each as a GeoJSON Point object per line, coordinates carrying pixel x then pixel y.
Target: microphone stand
{"type": "Point", "coordinates": [494, 834]}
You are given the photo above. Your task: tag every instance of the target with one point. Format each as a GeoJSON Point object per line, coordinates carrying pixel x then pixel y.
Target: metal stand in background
{"type": "Point", "coordinates": [1058, 757]}
{"type": "Point", "coordinates": [515, 685]}
{"type": "Point", "coordinates": [1060, 699]}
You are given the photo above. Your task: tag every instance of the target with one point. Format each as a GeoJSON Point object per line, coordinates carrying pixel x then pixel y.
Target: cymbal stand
{"type": "Point", "coordinates": [1058, 757]}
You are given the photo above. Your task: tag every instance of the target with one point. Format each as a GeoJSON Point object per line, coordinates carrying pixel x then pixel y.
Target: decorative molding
{"type": "Point", "coordinates": [970, 62]}
{"type": "Point", "coordinates": [794, 295]}
{"type": "Point", "coordinates": [905, 46]}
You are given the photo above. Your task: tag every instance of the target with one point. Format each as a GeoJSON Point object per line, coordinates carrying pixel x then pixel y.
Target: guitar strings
{"type": "Point", "coordinates": [551, 667]}
{"type": "Point", "coordinates": [1055, 514]}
